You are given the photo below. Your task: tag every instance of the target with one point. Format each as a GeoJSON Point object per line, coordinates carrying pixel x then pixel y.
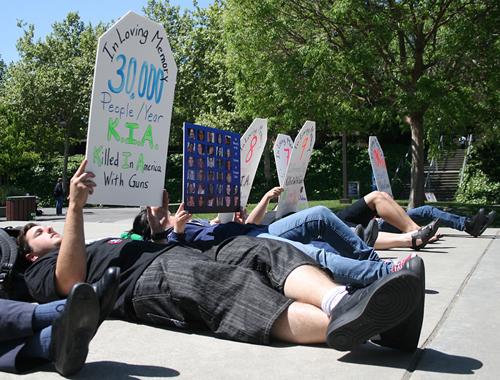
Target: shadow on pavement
{"type": "Point", "coordinates": [428, 360]}
{"type": "Point", "coordinates": [117, 370]}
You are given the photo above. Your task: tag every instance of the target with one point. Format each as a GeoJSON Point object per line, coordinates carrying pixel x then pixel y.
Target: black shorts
{"type": "Point", "coordinates": [357, 213]}
{"type": "Point", "coordinates": [234, 290]}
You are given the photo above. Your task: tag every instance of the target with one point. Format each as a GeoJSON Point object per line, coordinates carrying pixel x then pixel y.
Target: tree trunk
{"type": "Point", "coordinates": [267, 166]}
{"type": "Point", "coordinates": [65, 159]}
{"type": "Point", "coordinates": [417, 195]}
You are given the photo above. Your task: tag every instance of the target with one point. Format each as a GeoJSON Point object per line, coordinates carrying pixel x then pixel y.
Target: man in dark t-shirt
{"type": "Point", "coordinates": [245, 289]}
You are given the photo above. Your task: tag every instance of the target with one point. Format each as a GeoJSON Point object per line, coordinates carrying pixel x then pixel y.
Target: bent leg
{"type": "Point", "coordinates": [319, 222]}
{"type": "Point", "coordinates": [390, 211]}
{"type": "Point", "coordinates": [344, 270]}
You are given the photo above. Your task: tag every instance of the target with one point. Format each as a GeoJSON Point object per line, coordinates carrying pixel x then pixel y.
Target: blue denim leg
{"type": "Point", "coordinates": [425, 214]}
{"type": "Point", "coordinates": [343, 269]}
{"type": "Point", "coordinates": [319, 222]}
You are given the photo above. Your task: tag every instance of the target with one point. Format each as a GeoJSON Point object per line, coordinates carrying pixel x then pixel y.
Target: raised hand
{"type": "Point", "coordinates": [181, 218]}
{"type": "Point", "coordinates": [81, 185]}
{"type": "Point", "coordinates": [160, 214]}
{"type": "Point", "coordinates": [275, 192]}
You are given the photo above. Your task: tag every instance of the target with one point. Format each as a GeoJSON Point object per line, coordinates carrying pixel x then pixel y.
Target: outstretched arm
{"type": "Point", "coordinates": [259, 211]}
{"type": "Point", "coordinates": [71, 265]}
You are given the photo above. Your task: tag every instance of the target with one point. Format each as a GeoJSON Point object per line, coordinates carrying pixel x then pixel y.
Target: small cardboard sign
{"type": "Point", "coordinates": [378, 166]}
{"type": "Point", "coordinates": [130, 113]}
{"type": "Point", "coordinates": [252, 146]}
{"type": "Point", "coordinates": [282, 150]}
{"type": "Point", "coordinates": [211, 170]}
{"type": "Point", "coordinates": [293, 183]}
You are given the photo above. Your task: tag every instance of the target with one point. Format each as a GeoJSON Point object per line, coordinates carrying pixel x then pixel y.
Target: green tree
{"type": "Point", "coordinates": [204, 92]}
{"type": "Point", "coordinates": [351, 64]}
{"type": "Point", "coordinates": [49, 88]}
{"type": "Point", "coordinates": [3, 67]}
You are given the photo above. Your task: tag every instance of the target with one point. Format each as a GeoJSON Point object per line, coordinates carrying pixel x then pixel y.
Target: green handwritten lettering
{"type": "Point", "coordinates": [148, 136]}
{"type": "Point", "coordinates": [125, 164]}
{"type": "Point", "coordinates": [131, 128]}
{"type": "Point", "coordinates": [112, 124]}
{"type": "Point", "coordinates": [97, 156]}
{"type": "Point", "coordinates": [140, 163]}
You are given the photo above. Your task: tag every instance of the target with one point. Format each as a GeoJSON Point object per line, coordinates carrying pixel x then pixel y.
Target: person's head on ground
{"type": "Point", "coordinates": [36, 241]}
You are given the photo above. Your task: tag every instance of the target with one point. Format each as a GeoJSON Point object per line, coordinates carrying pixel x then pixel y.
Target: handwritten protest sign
{"type": "Point", "coordinates": [252, 146]}
{"type": "Point", "coordinates": [296, 170]}
{"type": "Point", "coordinates": [378, 165]}
{"type": "Point", "coordinates": [282, 150]}
{"type": "Point", "coordinates": [211, 175]}
{"type": "Point", "coordinates": [130, 113]}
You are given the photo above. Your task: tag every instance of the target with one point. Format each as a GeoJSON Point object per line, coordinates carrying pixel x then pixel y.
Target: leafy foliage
{"type": "Point", "coordinates": [477, 186]}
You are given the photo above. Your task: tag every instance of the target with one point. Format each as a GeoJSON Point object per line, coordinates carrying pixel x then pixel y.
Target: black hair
{"type": "Point", "coordinates": [141, 226]}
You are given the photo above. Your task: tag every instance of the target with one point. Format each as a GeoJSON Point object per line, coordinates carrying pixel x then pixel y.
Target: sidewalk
{"type": "Point", "coordinates": [459, 336]}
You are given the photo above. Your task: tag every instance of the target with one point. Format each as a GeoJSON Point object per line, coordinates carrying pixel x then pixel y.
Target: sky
{"type": "Point", "coordinates": [43, 13]}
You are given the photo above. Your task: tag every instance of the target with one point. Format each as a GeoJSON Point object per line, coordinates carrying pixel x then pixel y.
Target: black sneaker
{"type": "Point", "coordinates": [372, 310]}
{"type": "Point", "coordinates": [360, 231]}
{"type": "Point", "coordinates": [489, 219]}
{"type": "Point", "coordinates": [371, 233]}
{"type": "Point", "coordinates": [107, 290]}
{"type": "Point", "coordinates": [405, 336]}
{"type": "Point", "coordinates": [73, 330]}
{"type": "Point", "coordinates": [474, 225]}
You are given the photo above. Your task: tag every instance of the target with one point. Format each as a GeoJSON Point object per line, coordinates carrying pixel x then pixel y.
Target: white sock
{"type": "Point", "coordinates": [332, 298]}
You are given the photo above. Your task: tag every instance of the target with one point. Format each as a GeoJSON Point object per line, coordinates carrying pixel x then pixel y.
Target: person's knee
{"type": "Point", "coordinates": [323, 212]}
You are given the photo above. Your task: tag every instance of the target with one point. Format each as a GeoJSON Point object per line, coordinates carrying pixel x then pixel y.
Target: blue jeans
{"type": "Point", "coordinates": [59, 205]}
{"type": "Point", "coordinates": [425, 214]}
{"type": "Point", "coordinates": [347, 257]}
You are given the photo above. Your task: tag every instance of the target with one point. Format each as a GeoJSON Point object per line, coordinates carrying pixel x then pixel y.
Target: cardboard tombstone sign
{"type": "Point", "coordinates": [211, 170]}
{"type": "Point", "coordinates": [379, 167]}
{"type": "Point", "coordinates": [282, 150]}
{"type": "Point", "coordinates": [296, 170]}
{"type": "Point", "coordinates": [130, 112]}
{"type": "Point", "coordinates": [252, 146]}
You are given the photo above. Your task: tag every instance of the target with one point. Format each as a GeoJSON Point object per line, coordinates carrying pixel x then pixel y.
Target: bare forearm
{"type": "Point", "coordinates": [71, 266]}
{"type": "Point", "coordinates": [258, 213]}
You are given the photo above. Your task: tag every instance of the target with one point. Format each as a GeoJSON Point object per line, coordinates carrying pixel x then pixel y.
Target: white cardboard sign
{"type": "Point", "coordinates": [378, 166]}
{"type": "Point", "coordinates": [282, 151]}
{"type": "Point", "coordinates": [252, 145]}
{"type": "Point", "coordinates": [130, 113]}
{"type": "Point", "coordinates": [296, 170]}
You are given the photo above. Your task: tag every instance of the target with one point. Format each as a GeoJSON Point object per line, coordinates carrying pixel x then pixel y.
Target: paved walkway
{"type": "Point", "coordinates": [459, 336]}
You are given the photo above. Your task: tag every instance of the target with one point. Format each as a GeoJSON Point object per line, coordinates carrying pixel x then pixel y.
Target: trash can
{"type": "Point", "coordinates": [20, 208]}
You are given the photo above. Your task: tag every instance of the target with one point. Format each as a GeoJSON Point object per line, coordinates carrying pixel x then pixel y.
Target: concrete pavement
{"type": "Point", "coordinates": [459, 334]}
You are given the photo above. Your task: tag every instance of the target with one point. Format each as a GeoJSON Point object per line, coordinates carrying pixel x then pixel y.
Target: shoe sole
{"type": "Point", "coordinates": [392, 301]}
{"type": "Point", "coordinates": [406, 335]}
{"type": "Point", "coordinates": [74, 330]}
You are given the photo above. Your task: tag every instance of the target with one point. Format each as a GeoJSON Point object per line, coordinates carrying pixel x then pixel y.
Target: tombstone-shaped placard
{"type": "Point", "coordinates": [296, 170]}
{"type": "Point", "coordinates": [130, 113]}
{"type": "Point", "coordinates": [211, 175]}
{"type": "Point", "coordinates": [378, 166]}
{"type": "Point", "coordinates": [282, 150]}
{"type": "Point", "coordinates": [252, 145]}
